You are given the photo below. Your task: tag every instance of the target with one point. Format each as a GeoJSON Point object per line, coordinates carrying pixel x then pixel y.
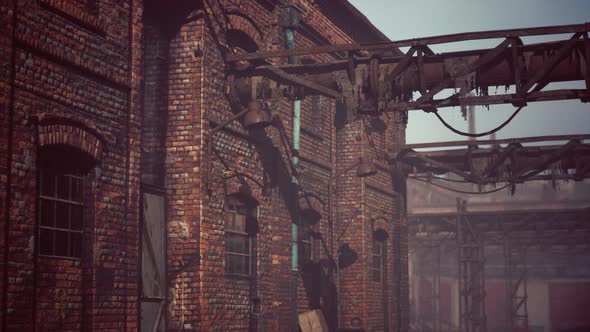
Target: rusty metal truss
{"type": "Point", "coordinates": [513, 163]}
{"type": "Point", "coordinates": [374, 78]}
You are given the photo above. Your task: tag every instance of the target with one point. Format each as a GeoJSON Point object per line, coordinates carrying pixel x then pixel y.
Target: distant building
{"type": "Point", "coordinates": [536, 254]}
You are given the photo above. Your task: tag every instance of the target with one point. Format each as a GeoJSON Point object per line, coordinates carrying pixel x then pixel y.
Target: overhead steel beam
{"type": "Point", "coordinates": [521, 140]}
{"type": "Point", "coordinates": [441, 39]}
{"type": "Point", "coordinates": [511, 98]}
{"type": "Point", "coordinates": [513, 164]}
{"type": "Point", "coordinates": [381, 83]}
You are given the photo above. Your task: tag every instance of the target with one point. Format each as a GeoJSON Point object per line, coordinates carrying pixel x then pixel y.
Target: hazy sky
{"type": "Point", "coordinates": [420, 18]}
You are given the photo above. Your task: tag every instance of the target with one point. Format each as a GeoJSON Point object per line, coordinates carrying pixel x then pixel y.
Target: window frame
{"type": "Point", "coordinates": [69, 202]}
{"type": "Point", "coordinates": [232, 206]}
{"type": "Point", "coordinates": [377, 273]}
{"type": "Point", "coordinates": [307, 237]}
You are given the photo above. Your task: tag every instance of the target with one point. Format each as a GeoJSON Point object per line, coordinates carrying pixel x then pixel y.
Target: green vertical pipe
{"type": "Point", "coordinates": [290, 44]}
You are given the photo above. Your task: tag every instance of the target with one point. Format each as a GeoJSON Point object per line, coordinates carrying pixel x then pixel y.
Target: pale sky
{"type": "Point", "coordinates": [421, 18]}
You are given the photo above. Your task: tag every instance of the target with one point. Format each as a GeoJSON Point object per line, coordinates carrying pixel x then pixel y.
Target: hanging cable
{"type": "Point", "coordinates": [480, 134]}
{"type": "Point", "coordinates": [440, 178]}
{"type": "Point", "coordinates": [464, 192]}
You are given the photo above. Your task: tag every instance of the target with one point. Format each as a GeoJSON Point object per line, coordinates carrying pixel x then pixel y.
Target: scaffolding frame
{"type": "Point", "coordinates": [516, 284]}
{"type": "Point", "coordinates": [471, 263]}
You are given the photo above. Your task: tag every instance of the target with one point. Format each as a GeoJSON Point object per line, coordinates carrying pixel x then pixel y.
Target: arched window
{"type": "Point", "coordinates": [62, 171]}
{"type": "Point", "coordinates": [240, 231]}
{"type": "Point", "coordinates": [379, 255]}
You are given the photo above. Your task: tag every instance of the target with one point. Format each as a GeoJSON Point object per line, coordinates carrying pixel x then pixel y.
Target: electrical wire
{"type": "Point", "coordinates": [440, 178]}
{"type": "Point", "coordinates": [464, 192]}
{"type": "Point", "coordinates": [463, 133]}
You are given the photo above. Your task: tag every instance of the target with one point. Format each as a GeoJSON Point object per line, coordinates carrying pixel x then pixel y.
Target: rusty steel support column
{"type": "Point", "coordinates": [470, 259]}
{"type": "Point", "coordinates": [516, 284]}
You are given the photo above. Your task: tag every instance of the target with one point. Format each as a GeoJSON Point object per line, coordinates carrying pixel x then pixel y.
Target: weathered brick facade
{"type": "Point", "coordinates": [127, 92]}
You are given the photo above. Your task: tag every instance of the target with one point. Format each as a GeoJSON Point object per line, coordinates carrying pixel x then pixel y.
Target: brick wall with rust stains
{"type": "Point", "coordinates": [226, 301]}
{"type": "Point", "coordinates": [83, 66]}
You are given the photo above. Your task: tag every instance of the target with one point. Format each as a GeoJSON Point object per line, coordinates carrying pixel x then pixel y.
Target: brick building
{"type": "Point", "coordinates": [115, 213]}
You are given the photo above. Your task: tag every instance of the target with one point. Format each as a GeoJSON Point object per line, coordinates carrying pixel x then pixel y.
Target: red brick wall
{"type": "Point", "coordinates": [6, 74]}
{"type": "Point", "coordinates": [183, 171]}
{"type": "Point", "coordinates": [86, 67]}
{"type": "Point", "coordinates": [73, 64]}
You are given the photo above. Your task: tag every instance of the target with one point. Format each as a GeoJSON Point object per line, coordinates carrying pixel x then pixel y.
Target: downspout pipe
{"type": "Point", "coordinates": [289, 21]}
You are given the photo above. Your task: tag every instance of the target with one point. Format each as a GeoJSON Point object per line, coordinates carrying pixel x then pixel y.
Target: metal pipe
{"type": "Point", "coordinates": [289, 32]}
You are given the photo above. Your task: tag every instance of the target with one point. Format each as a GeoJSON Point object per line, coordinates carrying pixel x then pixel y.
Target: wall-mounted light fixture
{"type": "Point", "coordinates": [256, 117]}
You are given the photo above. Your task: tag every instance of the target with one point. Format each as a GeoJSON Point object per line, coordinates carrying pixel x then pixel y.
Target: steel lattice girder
{"type": "Point", "coordinates": [380, 82]}
{"type": "Point", "coordinates": [513, 163]}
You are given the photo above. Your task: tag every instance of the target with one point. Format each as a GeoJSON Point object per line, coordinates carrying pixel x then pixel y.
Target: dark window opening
{"type": "Point", "coordinates": [240, 219]}
{"type": "Point", "coordinates": [306, 246]}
